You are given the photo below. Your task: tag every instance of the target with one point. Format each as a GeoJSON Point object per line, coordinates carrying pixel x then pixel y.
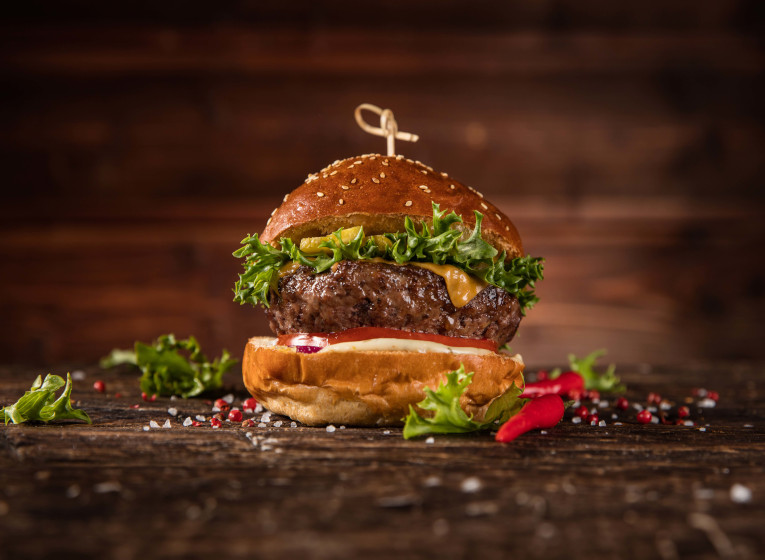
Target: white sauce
{"type": "Point", "coordinates": [402, 345]}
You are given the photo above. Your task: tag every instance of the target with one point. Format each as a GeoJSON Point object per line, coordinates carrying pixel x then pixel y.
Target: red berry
{"type": "Point", "coordinates": [654, 398]}
{"type": "Point", "coordinates": [144, 396]}
{"type": "Point", "coordinates": [208, 403]}
{"type": "Point", "coordinates": [593, 418]}
{"type": "Point", "coordinates": [135, 405]}
{"type": "Point", "coordinates": [215, 423]}
{"type": "Point", "coordinates": [582, 412]}
{"type": "Point", "coordinates": [622, 403]}
{"type": "Point", "coordinates": [250, 404]}
{"type": "Point", "coordinates": [235, 415]}
{"type": "Point", "coordinates": [195, 423]}
{"type": "Point", "coordinates": [683, 412]}
{"type": "Point", "coordinates": [644, 417]}
{"type": "Point", "coordinates": [100, 386]}
{"type": "Point", "coordinates": [249, 423]}
{"type": "Point", "coordinates": [542, 376]}
{"type": "Point", "coordinates": [117, 395]}
{"type": "Point", "coordinates": [593, 395]}
{"type": "Point", "coordinates": [153, 398]}
{"type": "Point", "coordinates": [714, 395]}
{"type": "Point", "coordinates": [221, 404]}
{"type": "Point", "coordinates": [575, 395]}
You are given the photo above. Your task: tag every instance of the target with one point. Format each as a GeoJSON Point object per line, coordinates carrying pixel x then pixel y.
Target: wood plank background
{"type": "Point", "coordinates": [140, 143]}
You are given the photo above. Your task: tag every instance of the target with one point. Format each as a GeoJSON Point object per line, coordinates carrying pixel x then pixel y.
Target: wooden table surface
{"type": "Point", "coordinates": [115, 490]}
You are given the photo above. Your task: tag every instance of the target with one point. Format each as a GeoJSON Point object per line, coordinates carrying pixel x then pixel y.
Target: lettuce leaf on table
{"type": "Point", "coordinates": [173, 367]}
{"type": "Point", "coordinates": [448, 416]}
{"type": "Point", "coordinates": [39, 404]}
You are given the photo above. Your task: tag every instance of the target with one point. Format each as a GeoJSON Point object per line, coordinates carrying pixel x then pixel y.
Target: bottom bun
{"type": "Point", "coordinates": [366, 388]}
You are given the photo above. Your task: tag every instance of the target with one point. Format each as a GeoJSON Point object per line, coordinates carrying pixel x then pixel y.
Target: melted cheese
{"type": "Point", "coordinates": [461, 286]}
{"type": "Point", "coordinates": [402, 345]}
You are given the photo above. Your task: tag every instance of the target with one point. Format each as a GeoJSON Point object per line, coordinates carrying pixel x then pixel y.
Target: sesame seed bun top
{"type": "Point", "coordinates": [379, 192]}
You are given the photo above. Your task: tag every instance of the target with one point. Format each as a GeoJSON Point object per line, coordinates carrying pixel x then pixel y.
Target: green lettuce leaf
{"type": "Point", "coordinates": [173, 367]}
{"type": "Point", "coordinates": [39, 404]}
{"type": "Point", "coordinates": [448, 416]}
{"type": "Point", "coordinates": [440, 241]}
{"type": "Point", "coordinates": [606, 382]}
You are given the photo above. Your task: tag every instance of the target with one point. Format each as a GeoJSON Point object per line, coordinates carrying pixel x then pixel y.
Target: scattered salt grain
{"type": "Point", "coordinates": [476, 509]}
{"type": "Point", "coordinates": [200, 418]}
{"type": "Point", "coordinates": [73, 491]}
{"type": "Point", "coordinates": [331, 428]}
{"type": "Point", "coordinates": [653, 409]}
{"type": "Point", "coordinates": [78, 375]}
{"type": "Point", "coordinates": [432, 482]}
{"type": "Point", "coordinates": [637, 406]}
{"type": "Point", "coordinates": [166, 425]}
{"type": "Point", "coordinates": [604, 404]}
{"type": "Point", "coordinates": [342, 427]}
{"type": "Point", "coordinates": [386, 432]}
{"type": "Point", "coordinates": [707, 403]}
{"type": "Point", "coordinates": [543, 432]}
{"type": "Point", "coordinates": [258, 408]}
{"type": "Point", "coordinates": [215, 409]}
{"type": "Point", "coordinates": [266, 417]}
{"type": "Point", "coordinates": [430, 441]}
{"type": "Point", "coordinates": [153, 424]}
{"type": "Point", "coordinates": [278, 424]}
{"type": "Point", "coordinates": [602, 423]}
{"type": "Point", "coordinates": [740, 494]}
{"type": "Point", "coordinates": [173, 398]}
{"type": "Point", "coordinates": [614, 417]}
{"type": "Point", "coordinates": [702, 429]}
{"type": "Point", "coordinates": [748, 425]}
{"type": "Point", "coordinates": [576, 420]}
{"type": "Point", "coordinates": [654, 419]}
{"type": "Point", "coordinates": [471, 485]}
{"type": "Point", "coordinates": [293, 424]}
{"type": "Point", "coordinates": [704, 493]}
{"type": "Point", "coordinates": [617, 423]}
{"type": "Point", "coordinates": [229, 398]}
{"type": "Point", "coordinates": [146, 428]}
{"type": "Point", "coordinates": [172, 411]}
{"type": "Point", "coordinates": [262, 425]}
{"type": "Point", "coordinates": [106, 487]}
{"type": "Point", "coordinates": [688, 423]}
{"type": "Point", "coordinates": [188, 421]}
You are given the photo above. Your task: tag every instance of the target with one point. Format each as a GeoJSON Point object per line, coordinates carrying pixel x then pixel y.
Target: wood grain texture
{"type": "Point", "coordinates": [619, 491]}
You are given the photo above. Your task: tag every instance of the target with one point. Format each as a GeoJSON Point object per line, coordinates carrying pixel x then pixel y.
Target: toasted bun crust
{"type": "Point", "coordinates": [378, 192]}
{"type": "Point", "coordinates": [364, 388]}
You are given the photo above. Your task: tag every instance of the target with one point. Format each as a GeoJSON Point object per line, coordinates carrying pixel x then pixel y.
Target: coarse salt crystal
{"type": "Point", "coordinates": [603, 404]}
{"type": "Point", "coordinates": [614, 417]}
{"type": "Point", "coordinates": [430, 441]}
{"type": "Point", "coordinates": [278, 424]}
{"type": "Point", "coordinates": [543, 432]}
{"type": "Point", "coordinates": [654, 419]}
{"type": "Point", "coordinates": [740, 494]}
{"type": "Point", "coordinates": [146, 428]}
{"type": "Point", "coordinates": [665, 406]}
{"type": "Point", "coordinates": [432, 481]}
{"type": "Point", "coordinates": [78, 375]}
{"type": "Point", "coordinates": [617, 423]}
{"type": "Point", "coordinates": [215, 409]}
{"type": "Point", "coordinates": [188, 421]}
{"type": "Point", "coordinates": [331, 428]}
{"type": "Point", "coordinates": [293, 424]}
{"type": "Point", "coordinates": [471, 485]}
{"type": "Point", "coordinates": [153, 424]}
{"type": "Point", "coordinates": [258, 408]}
{"type": "Point", "coordinates": [166, 425]}
{"type": "Point", "coordinates": [342, 427]}
{"type": "Point", "coordinates": [702, 429]}
{"type": "Point", "coordinates": [576, 420]}
{"type": "Point", "coordinates": [172, 411]}
{"type": "Point", "coordinates": [602, 423]}
{"type": "Point", "coordinates": [386, 432]}
{"type": "Point", "coordinates": [707, 403]}
{"type": "Point", "coordinates": [688, 423]}
{"type": "Point", "coordinates": [201, 418]}
{"type": "Point", "coordinates": [262, 425]}
{"type": "Point", "coordinates": [228, 398]}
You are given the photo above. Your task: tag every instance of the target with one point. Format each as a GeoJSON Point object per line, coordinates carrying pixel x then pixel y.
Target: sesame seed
{"type": "Point", "coordinates": [483, 205]}
{"type": "Point", "coordinates": [345, 187]}
{"type": "Point", "coordinates": [319, 194]}
{"type": "Point", "coordinates": [358, 162]}
{"type": "Point", "coordinates": [409, 160]}
{"type": "Point", "coordinates": [408, 203]}
{"type": "Point", "coordinates": [372, 157]}
{"type": "Point", "coordinates": [350, 166]}
{"type": "Point", "coordinates": [399, 157]}
{"type": "Point", "coordinates": [498, 216]}
{"type": "Point", "coordinates": [375, 180]}
{"type": "Point", "coordinates": [451, 186]}
{"type": "Point", "coordinates": [274, 211]}
{"type": "Point", "coordinates": [333, 173]}
{"type": "Point", "coordinates": [382, 175]}
{"type": "Point", "coordinates": [341, 202]}
{"type": "Point", "coordinates": [418, 162]}
{"type": "Point", "coordinates": [269, 221]}
{"type": "Point", "coordinates": [385, 162]}
{"type": "Point", "coordinates": [325, 175]}
{"type": "Point", "coordinates": [353, 181]}
{"type": "Point", "coordinates": [507, 228]}
{"type": "Point", "coordinates": [423, 187]}
{"type": "Point", "coordinates": [286, 196]}
{"type": "Point", "coordinates": [444, 174]}
{"type": "Point", "coordinates": [423, 172]}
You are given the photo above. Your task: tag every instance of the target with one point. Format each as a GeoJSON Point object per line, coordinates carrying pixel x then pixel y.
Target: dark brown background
{"type": "Point", "coordinates": [140, 144]}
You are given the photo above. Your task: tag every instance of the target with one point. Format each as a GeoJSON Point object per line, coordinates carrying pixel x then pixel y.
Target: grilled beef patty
{"type": "Point", "coordinates": [371, 294]}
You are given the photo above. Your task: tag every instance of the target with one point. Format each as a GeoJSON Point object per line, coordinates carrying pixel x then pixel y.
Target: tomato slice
{"type": "Point", "coordinates": [321, 340]}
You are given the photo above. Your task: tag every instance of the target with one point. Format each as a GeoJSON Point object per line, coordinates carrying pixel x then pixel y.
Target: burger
{"type": "Point", "coordinates": [378, 276]}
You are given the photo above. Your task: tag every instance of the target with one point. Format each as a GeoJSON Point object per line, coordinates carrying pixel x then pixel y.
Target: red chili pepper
{"type": "Point", "coordinates": [541, 412]}
{"type": "Point", "coordinates": [565, 384]}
